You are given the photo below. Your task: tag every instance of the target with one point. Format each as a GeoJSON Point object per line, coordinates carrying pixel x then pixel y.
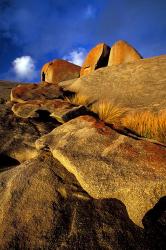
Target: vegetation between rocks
{"type": "Point", "coordinates": [147, 124]}
{"type": "Point", "coordinates": [144, 123]}
{"type": "Point", "coordinates": [78, 100]}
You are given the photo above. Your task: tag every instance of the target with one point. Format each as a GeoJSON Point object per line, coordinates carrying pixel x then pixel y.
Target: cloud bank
{"type": "Point", "coordinates": [24, 68]}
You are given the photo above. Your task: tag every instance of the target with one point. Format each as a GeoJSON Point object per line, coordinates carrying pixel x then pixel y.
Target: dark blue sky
{"type": "Point", "coordinates": [33, 32]}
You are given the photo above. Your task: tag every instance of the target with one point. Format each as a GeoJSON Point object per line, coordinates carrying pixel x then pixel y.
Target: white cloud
{"type": "Point", "coordinates": [24, 68]}
{"type": "Point", "coordinates": [76, 56]}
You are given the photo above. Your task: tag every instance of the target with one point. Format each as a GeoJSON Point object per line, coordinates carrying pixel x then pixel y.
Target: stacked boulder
{"type": "Point", "coordinates": [100, 56]}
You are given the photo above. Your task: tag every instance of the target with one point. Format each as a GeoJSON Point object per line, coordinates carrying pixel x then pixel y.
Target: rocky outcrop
{"type": "Point", "coordinates": [110, 165]}
{"type": "Point", "coordinates": [140, 84]}
{"type": "Point", "coordinates": [61, 110]}
{"type": "Point", "coordinates": [18, 136]}
{"type": "Point", "coordinates": [59, 70]}
{"type": "Point", "coordinates": [6, 87]}
{"type": "Point", "coordinates": [34, 108]}
{"type": "Point", "coordinates": [43, 207]}
{"type": "Point", "coordinates": [122, 52]}
{"type": "Point", "coordinates": [97, 58]}
{"type": "Point", "coordinates": [96, 181]}
{"type": "Point", "coordinates": [42, 91]}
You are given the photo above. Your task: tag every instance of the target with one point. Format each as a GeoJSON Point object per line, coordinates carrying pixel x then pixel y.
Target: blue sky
{"type": "Point", "coordinates": [33, 32]}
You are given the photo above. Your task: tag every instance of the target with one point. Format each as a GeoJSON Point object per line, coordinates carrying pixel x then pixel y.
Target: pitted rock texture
{"type": "Point", "coordinates": [122, 52]}
{"type": "Point", "coordinates": [59, 70]}
{"type": "Point", "coordinates": [34, 107]}
{"type": "Point", "coordinates": [97, 58]}
{"type": "Point", "coordinates": [41, 91]}
{"type": "Point", "coordinates": [140, 84]}
{"type": "Point", "coordinates": [110, 165]}
{"type": "Point", "coordinates": [18, 136]}
{"type": "Point", "coordinates": [43, 207]}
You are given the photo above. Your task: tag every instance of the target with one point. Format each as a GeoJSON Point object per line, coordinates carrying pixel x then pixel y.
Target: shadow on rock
{"type": "Point", "coordinates": [154, 223]}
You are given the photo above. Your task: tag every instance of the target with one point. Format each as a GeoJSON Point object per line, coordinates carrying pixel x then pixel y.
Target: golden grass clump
{"type": "Point", "coordinates": [78, 100]}
{"type": "Point", "coordinates": [108, 112]}
{"type": "Point", "coordinates": [147, 124]}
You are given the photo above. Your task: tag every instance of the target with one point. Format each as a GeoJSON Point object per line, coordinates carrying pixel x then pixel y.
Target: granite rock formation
{"type": "Point", "coordinates": [97, 58]}
{"type": "Point", "coordinates": [137, 85]}
{"type": "Point", "coordinates": [42, 91]}
{"type": "Point", "coordinates": [89, 183]}
{"type": "Point", "coordinates": [122, 52]}
{"type": "Point", "coordinates": [59, 70]}
{"type": "Point", "coordinates": [49, 210]}
{"type": "Point", "coordinates": [110, 165]}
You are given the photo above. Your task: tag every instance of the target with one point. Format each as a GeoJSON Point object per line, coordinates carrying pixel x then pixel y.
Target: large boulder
{"type": "Point", "coordinates": [42, 206]}
{"type": "Point", "coordinates": [140, 84]}
{"type": "Point", "coordinates": [42, 91]}
{"type": "Point", "coordinates": [122, 52]}
{"type": "Point", "coordinates": [97, 58]}
{"type": "Point", "coordinates": [59, 70]}
{"type": "Point", "coordinates": [110, 165]}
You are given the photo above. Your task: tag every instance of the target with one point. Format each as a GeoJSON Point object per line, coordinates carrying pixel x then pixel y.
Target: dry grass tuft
{"type": "Point", "coordinates": [147, 124]}
{"type": "Point", "coordinates": [144, 123]}
{"type": "Point", "coordinates": [78, 100]}
{"type": "Point", "coordinates": [108, 112]}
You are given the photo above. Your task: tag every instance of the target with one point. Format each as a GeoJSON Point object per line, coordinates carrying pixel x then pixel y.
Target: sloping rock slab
{"type": "Point", "coordinates": [42, 91]}
{"type": "Point", "coordinates": [70, 114]}
{"type": "Point", "coordinates": [96, 58]}
{"type": "Point", "coordinates": [43, 207]}
{"type": "Point", "coordinates": [110, 165]}
{"type": "Point", "coordinates": [32, 108]}
{"type": "Point", "coordinates": [135, 84]}
{"type": "Point", "coordinates": [122, 52]}
{"type": "Point", "coordinates": [61, 110]}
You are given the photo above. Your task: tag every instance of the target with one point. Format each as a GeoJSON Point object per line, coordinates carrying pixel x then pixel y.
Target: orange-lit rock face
{"type": "Point", "coordinates": [59, 70]}
{"type": "Point", "coordinates": [42, 91]}
{"type": "Point", "coordinates": [97, 58]}
{"type": "Point", "coordinates": [122, 52]}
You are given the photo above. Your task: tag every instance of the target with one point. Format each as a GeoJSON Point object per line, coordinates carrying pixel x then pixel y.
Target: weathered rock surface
{"type": "Point", "coordinates": [136, 84]}
{"type": "Point", "coordinates": [62, 111]}
{"type": "Point", "coordinates": [5, 87]}
{"type": "Point", "coordinates": [96, 182]}
{"type": "Point", "coordinates": [70, 114]}
{"type": "Point", "coordinates": [59, 70]}
{"type": "Point", "coordinates": [42, 91]}
{"type": "Point", "coordinates": [34, 107]}
{"type": "Point", "coordinates": [18, 136]}
{"type": "Point", "coordinates": [122, 52]}
{"type": "Point", "coordinates": [110, 165]}
{"type": "Point", "coordinates": [43, 207]}
{"type": "Point", "coordinates": [97, 58]}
